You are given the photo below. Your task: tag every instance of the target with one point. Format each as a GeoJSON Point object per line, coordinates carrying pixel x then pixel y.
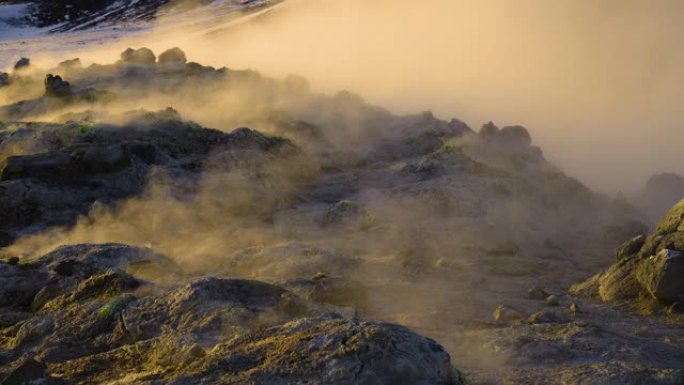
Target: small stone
{"type": "Point", "coordinates": [504, 313]}
{"type": "Point", "coordinates": [552, 300]}
{"type": "Point", "coordinates": [13, 261]}
{"type": "Point", "coordinates": [319, 276]}
{"type": "Point", "coordinates": [196, 351]}
{"type": "Point", "coordinates": [537, 293]}
{"type": "Point", "coordinates": [545, 316]}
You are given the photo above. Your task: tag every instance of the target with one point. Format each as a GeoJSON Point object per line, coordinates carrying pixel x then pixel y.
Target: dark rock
{"type": "Point", "coordinates": [552, 300]}
{"type": "Point", "coordinates": [5, 79]}
{"type": "Point", "coordinates": [630, 247]}
{"type": "Point", "coordinates": [138, 56]}
{"type": "Point", "coordinates": [56, 87]}
{"type": "Point", "coordinates": [28, 372]}
{"type": "Point", "coordinates": [515, 135]}
{"type": "Point", "coordinates": [662, 274]}
{"type": "Point", "coordinates": [19, 285]}
{"type": "Point", "coordinates": [489, 130]}
{"type": "Point", "coordinates": [544, 317]}
{"type": "Point", "coordinates": [22, 63]}
{"type": "Point", "coordinates": [173, 56]}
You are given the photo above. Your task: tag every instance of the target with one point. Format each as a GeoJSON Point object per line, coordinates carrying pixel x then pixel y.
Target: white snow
{"type": "Point", "coordinates": [13, 24]}
{"type": "Point", "coordinates": [20, 40]}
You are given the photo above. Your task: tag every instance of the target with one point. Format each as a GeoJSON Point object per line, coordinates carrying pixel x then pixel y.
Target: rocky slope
{"type": "Point", "coordinates": [274, 246]}
{"type": "Point", "coordinates": [86, 314]}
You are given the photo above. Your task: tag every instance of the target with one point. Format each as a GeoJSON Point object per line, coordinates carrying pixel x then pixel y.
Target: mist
{"type": "Point", "coordinates": [597, 83]}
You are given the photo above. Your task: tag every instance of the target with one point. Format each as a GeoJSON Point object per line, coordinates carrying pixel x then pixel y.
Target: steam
{"type": "Point", "coordinates": [601, 77]}
{"type": "Point", "coordinates": [598, 85]}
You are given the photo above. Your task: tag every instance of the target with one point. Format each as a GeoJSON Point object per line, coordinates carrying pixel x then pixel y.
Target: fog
{"type": "Point", "coordinates": [595, 83]}
{"type": "Point", "coordinates": [598, 83]}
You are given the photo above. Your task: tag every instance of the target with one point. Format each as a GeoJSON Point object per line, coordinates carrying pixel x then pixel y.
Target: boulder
{"type": "Point", "coordinates": [630, 247]}
{"type": "Point", "coordinates": [330, 350]}
{"type": "Point", "coordinates": [545, 317]}
{"type": "Point", "coordinates": [173, 56]}
{"type": "Point", "coordinates": [138, 56]}
{"type": "Point", "coordinates": [56, 87]}
{"type": "Point", "coordinates": [489, 130]}
{"type": "Point", "coordinates": [662, 275]}
{"type": "Point", "coordinates": [5, 79]}
{"type": "Point", "coordinates": [647, 267]}
{"type": "Point", "coordinates": [22, 63]}
{"type": "Point", "coordinates": [515, 135]}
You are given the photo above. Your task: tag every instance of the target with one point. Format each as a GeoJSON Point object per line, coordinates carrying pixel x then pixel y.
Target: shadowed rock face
{"type": "Point", "coordinates": [74, 165]}
{"type": "Point", "coordinates": [648, 268]}
{"type": "Point", "coordinates": [93, 317]}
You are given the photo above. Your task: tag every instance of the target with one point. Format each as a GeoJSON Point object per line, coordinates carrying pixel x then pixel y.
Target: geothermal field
{"type": "Point", "coordinates": [341, 192]}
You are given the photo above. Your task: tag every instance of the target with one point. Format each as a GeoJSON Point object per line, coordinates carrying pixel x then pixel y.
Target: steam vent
{"type": "Point", "coordinates": [247, 192]}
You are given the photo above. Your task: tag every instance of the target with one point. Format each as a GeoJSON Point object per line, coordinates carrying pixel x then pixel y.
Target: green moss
{"type": "Point", "coordinates": [111, 308]}
{"type": "Point", "coordinates": [87, 131]}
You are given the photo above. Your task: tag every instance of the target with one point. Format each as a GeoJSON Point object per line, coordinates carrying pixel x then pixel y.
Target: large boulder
{"type": "Point", "coordinates": [662, 275]}
{"type": "Point", "coordinates": [173, 56]}
{"type": "Point", "coordinates": [330, 350]}
{"type": "Point", "coordinates": [647, 268]}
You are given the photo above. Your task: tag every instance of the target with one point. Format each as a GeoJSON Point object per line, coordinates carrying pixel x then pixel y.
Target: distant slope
{"type": "Point", "coordinates": [76, 15]}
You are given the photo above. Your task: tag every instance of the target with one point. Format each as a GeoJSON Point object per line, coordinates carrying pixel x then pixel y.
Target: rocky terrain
{"type": "Point", "coordinates": [141, 246]}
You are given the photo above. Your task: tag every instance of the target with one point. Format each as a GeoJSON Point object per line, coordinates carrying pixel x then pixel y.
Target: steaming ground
{"type": "Point", "coordinates": [425, 222]}
{"type": "Point", "coordinates": [408, 219]}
